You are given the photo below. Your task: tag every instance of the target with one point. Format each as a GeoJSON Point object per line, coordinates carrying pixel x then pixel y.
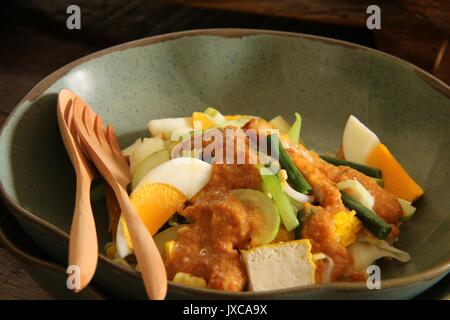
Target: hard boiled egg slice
{"type": "Point", "coordinates": [155, 203]}
{"type": "Point", "coordinates": [358, 141]}
{"type": "Point", "coordinates": [188, 175]}
{"type": "Point", "coordinates": [160, 193]}
{"type": "Point", "coordinates": [124, 244]}
{"type": "Point", "coordinates": [361, 145]}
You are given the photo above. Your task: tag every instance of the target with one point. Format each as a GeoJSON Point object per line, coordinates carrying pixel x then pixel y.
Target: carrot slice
{"type": "Point", "coordinates": [396, 179]}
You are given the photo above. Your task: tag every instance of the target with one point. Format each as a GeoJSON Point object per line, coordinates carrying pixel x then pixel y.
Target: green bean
{"type": "Point", "coordinates": [295, 178]}
{"type": "Point", "coordinates": [369, 219]}
{"type": "Point", "coordinates": [369, 171]}
{"type": "Point", "coordinates": [379, 181]}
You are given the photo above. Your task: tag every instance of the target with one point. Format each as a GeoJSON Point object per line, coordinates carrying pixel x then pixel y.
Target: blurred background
{"type": "Point", "coordinates": [35, 42]}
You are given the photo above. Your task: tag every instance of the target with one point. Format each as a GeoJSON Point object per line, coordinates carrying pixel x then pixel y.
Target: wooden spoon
{"type": "Point", "coordinates": [83, 246]}
{"type": "Point", "coordinates": [103, 149]}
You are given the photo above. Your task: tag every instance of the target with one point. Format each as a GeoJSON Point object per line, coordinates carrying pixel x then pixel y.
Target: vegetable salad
{"type": "Point", "coordinates": [236, 202]}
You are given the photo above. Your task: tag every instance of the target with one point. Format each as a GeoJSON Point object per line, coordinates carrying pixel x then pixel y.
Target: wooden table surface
{"type": "Point", "coordinates": [15, 282]}
{"type": "Point", "coordinates": [33, 46]}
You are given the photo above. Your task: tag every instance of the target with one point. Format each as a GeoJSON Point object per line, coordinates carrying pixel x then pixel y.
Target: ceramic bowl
{"type": "Point", "coordinates": [51, 276]}
{"type": "Point", "coordinates": [257, 72]}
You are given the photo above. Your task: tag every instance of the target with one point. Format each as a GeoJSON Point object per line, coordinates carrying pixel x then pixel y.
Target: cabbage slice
{"type": "Point", "coordinates": [297, 196]}
{"type": "Point", "coordinates": [281, 124]}
{"type": "Point", "coordinates": [366, 250]}
{"type": "Point", "coordinates": [355, 190]}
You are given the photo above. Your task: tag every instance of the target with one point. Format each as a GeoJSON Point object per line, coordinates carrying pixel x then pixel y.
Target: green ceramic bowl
{"type": "Point", "coordinates": [264, 73]}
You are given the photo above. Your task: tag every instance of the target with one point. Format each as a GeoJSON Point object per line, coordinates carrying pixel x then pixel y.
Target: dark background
{"type": "Point", "coordinates": [35, 42]}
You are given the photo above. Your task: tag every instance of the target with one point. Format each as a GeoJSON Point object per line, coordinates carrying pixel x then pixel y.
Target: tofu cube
{"type": "Point", "coordinates": [280, 265]}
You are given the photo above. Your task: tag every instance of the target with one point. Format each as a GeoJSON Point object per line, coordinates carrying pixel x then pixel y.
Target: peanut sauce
{"type": "Point", "coordinates": [221, 225]}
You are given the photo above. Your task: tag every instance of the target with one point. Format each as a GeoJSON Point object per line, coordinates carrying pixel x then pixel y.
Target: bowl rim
{"type": "Point", "coordinates": [45, 83]}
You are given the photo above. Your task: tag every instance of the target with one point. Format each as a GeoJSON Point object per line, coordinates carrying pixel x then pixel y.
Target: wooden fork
{"type": "Point", "coordinates": [83, 246]}
{"type": "Point", "coordinates": [103, 149]}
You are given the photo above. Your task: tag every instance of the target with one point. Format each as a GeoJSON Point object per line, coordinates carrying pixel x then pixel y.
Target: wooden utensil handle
{"type": "Point", "coordinates": [154, 274]}
{"type": "Point", "coordinates": [83, 246]}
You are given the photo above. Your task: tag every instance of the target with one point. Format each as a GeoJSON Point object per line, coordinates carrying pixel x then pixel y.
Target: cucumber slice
{"type": "Point", "coordinates": [270, 218]}
{"type": "Point", "coordinates": [165, 236]}
{"type": "Point", "coordinates": [148, 164]}
{"type": "Point", "coordinates": [407, 208]}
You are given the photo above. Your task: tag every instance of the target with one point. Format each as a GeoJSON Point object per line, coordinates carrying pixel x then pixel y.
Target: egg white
{"type": "Point", "coordinates": [358, 141]}
{"type": "Point", "coordinates": [187, 175]}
